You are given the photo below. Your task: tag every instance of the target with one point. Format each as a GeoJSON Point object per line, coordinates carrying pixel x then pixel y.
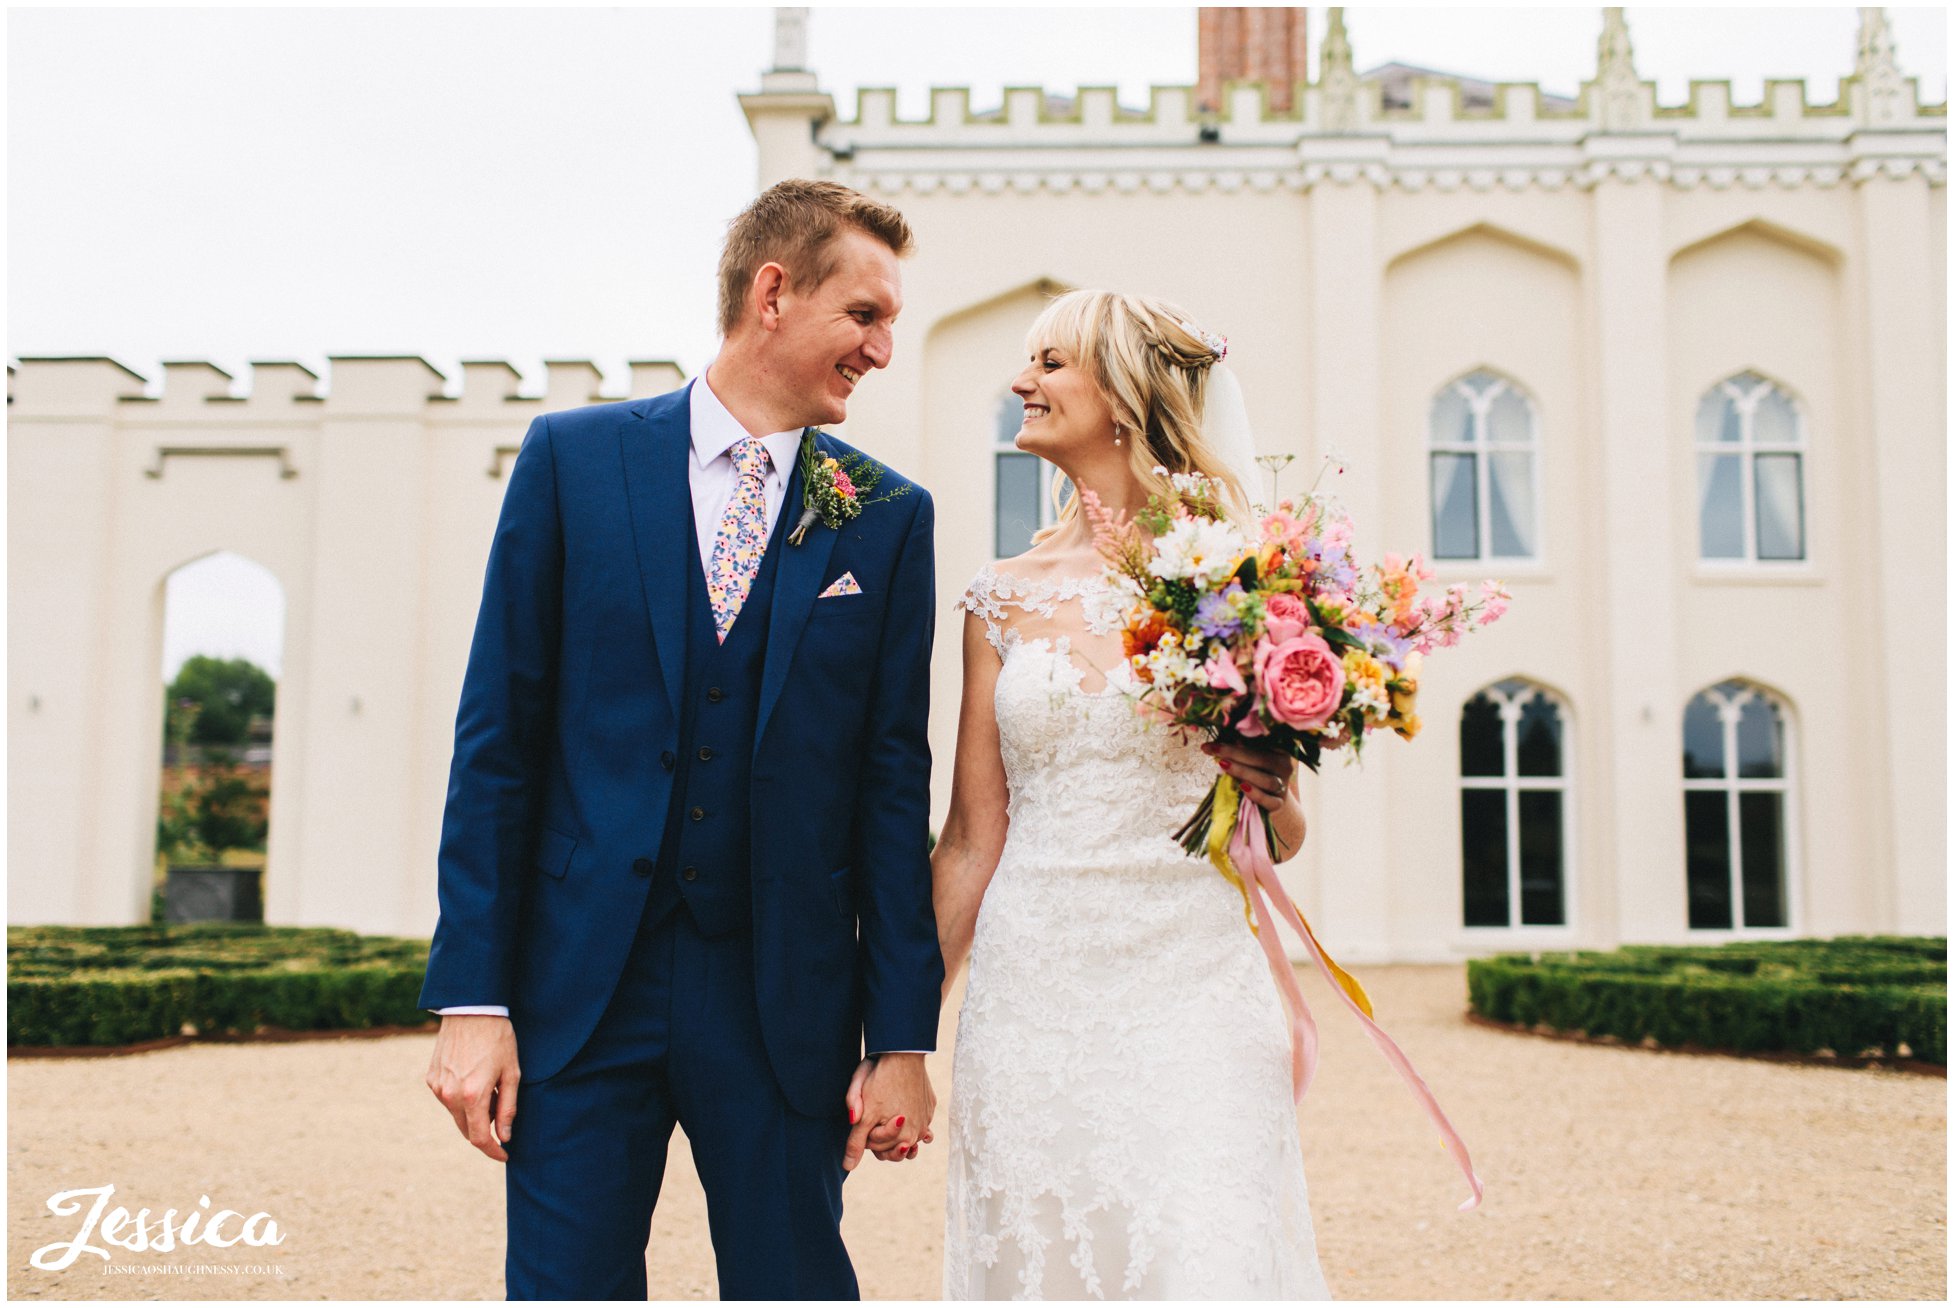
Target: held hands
{"type": "Point", "coordinates": [890, 1104]}
{"type": "Point", "coordinates": [474, 1074]}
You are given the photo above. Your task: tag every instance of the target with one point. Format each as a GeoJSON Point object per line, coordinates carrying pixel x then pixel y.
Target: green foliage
{"type": "Point", "coordinates": [119, 985]}
{"type": "Point", "coordinates": [1850, 995]}
{"type": "Point", "coordinates": [210, 810]}
{"type": "Point", "coordinates": [212, 701]}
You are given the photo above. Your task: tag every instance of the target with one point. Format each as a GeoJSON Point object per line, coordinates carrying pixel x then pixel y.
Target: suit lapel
{"type": "Point", "coordinates": [657, 451]}
{"type": "Point", "coordinates": [796, 582]}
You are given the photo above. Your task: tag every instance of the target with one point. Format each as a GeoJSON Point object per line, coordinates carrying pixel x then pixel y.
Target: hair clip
{"type": "Point", "coordinates": [1217, 345]}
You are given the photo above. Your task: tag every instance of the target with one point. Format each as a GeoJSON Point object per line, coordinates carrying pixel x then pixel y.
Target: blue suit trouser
{"type": "Point", "coordinates": [679, 1044]}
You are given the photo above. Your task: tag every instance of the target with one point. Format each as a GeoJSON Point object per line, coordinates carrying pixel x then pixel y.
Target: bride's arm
{"type": "Point", "coordinates": [973, 833]}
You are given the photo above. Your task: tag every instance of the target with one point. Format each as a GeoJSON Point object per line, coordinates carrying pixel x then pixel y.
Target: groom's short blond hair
{"type": "Point", "coordinates": [795, 224]}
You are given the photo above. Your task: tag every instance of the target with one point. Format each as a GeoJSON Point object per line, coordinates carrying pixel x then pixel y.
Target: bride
{"type": "Point", "coordinates": [1121, 1118]}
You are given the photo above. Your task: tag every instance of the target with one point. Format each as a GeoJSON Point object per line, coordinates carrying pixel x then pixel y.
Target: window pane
{"type": "Point", "coordinates": [1780, 507]}
{"type": "Point", "coordinates": [1451, 418]}
{"type": "Point", "coordinates": [1762, 815]}
{"type": "Point", "coordinates": [1774, 421]}
{"type": "Point", "coordinates": [1706, 823]}
{"type": "Point", "coordinates": [1509, 418]}
{"type": "Point", "coordinates": [1017, 503]}
{"type": "Point", "coordinates": [1716, 418]}
{"type": "Point", "coordinates": [1482, 753]}
{"type": "Point", "coordinates": [1539, 743]}
{"type": "Point", "coordinates": [1512, 507]}
{"type": "Point", "coordinates": [1455, 506]}
{"type": "Point", "coordinates": [1541, 858]}
{"type": "Point", "coordinates": [1721, 506]}
{"type": "Point", "coordinates": [1483, 843]}
{"type": "Point", "coordinates": [1760, 739]}
{"type": "Point", "coordinates": [1702, 739]}
{"type": "Point", "coordinates": [1010, 418]}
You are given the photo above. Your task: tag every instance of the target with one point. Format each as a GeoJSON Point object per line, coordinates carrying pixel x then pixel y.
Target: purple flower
{"type": "Point", "coordinates": [1387, 644]}
{"type": "Point", "coordinates": [1215, 616]}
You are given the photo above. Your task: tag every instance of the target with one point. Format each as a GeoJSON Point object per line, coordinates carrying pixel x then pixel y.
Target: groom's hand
{"type": "Point", "coordinates": [474, 1075]}
{"type": "Point", "coordinates": [890, 1103]}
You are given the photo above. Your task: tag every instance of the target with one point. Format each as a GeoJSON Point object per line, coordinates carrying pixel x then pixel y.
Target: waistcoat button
{"type": "Point", "coordinates": [714, 695]}
{"type": "Point", "coordinates": [642, 866]}
{"type": "Point", "coordinates": [698, 815]}
{"type": "Point", "coordinates": [690, 874]}
{"type": "Point", "coordinates": [705, 754]}
{"type": "Point", "coordinates": [668, 760]}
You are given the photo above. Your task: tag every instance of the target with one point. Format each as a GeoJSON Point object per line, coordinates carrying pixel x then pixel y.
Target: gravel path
{"type": "Point", "coordinates": [1610, 1173]}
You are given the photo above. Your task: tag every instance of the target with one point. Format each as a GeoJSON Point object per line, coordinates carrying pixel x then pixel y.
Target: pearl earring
{"type": "Point", "coordinates": [1116, 437]}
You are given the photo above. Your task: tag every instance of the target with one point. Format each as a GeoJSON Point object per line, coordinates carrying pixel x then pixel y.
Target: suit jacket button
{"type": "Point", "coordinates": [690, 874]}
{"type": "Point", "coordinates": [714, 695]}
{"type": "Point", "coordinates": [698, 815]}
{"type": "Point", "coordinates": [668, 760]}
{"type": "Point", "coordinates": [643, 866]}
{"type": "Point", "coordinates": [705, 754]}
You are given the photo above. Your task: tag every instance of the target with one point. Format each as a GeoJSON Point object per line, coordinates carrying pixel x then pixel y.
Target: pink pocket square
{"type": "Point", "coordinates": [845, 584]}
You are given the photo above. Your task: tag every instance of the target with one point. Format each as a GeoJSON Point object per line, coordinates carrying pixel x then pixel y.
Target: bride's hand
{"type": "Point", "coordinates": [1263, 774]}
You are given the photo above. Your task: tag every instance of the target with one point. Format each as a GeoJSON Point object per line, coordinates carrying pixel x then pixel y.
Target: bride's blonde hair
{"type": "Point", "coordinates": [1152, 368]}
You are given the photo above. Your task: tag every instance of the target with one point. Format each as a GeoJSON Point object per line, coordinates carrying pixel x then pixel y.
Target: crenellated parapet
{"type": "Point", "coordinates": [1393, 126]}
{"type": "Point", "coordinates": [356, 385]}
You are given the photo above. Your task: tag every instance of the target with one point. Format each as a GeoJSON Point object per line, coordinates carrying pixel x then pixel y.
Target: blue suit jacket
{"type": "Point", "coordinates": [572, 693]}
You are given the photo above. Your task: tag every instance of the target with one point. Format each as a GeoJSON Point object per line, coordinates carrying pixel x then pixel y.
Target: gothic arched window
{"type": "Point", "coordinates": [1023, 484]}
{"type": "Point", "coordinates": [1513, 807]}
{"type": "Point", "coordinates": [1735, 790]}
{"type": "Point", "coordinates": [1749, 472]}
{"type": "Point", "coordinates": [1484, 475]}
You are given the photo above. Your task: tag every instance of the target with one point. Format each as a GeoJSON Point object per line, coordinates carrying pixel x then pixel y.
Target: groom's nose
{"type": "Point", "coordinates": [880, 346]}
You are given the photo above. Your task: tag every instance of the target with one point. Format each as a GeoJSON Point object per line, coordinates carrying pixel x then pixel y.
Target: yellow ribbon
{"type": "Point", "coordinates": [1227, 805]}
{"type": "Point", "coordinates": [1227, 812]}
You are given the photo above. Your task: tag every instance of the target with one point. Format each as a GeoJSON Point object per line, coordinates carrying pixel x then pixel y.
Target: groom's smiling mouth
{"type": "Point", "coordinates": [848, 372]}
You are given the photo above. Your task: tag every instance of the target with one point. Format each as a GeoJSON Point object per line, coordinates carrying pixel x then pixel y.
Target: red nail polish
{"type": "Point", "coordinates": [1224, 765]}
{"type": "Point", "coordinates": [898, 1125]}
{"type": "Point", "coordinates": [852, 1115]}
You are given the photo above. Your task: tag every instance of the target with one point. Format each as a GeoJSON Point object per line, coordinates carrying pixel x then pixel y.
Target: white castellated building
{"type": "Point", "coordinates": [1674, 373]}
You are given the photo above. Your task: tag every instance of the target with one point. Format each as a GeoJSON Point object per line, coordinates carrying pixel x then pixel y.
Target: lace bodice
{"type": "Point", "coordinates": [1116, 1006]}
{"type": "Point", "coordinates": [1090, 780]}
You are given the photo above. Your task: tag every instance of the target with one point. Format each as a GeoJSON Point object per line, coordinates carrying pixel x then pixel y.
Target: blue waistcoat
{"type": "Point", "coordinates": [704, 858]}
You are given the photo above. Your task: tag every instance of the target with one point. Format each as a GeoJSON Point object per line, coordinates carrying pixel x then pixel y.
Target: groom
{"type": "Point", "coordinates": [683, 864]}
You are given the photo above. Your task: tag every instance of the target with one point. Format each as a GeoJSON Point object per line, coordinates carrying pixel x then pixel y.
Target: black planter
{"type": "Point", "coordinates": [214, 894]}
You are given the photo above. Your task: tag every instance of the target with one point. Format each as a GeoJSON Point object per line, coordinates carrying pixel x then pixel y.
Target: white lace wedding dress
{"type": "Point", "coordinates": [1121, 1120]}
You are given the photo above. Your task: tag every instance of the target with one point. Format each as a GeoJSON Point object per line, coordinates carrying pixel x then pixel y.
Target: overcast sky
{"type": "Point", "coordinates": [232, 184]}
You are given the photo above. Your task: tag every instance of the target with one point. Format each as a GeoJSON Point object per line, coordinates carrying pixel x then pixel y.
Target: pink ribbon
{"type": "Point", "coordinates": [1249, 851]}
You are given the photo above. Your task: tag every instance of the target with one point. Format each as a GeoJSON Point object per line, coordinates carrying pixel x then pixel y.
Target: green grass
{"type": "Point", "coordinates": [1854, 995]}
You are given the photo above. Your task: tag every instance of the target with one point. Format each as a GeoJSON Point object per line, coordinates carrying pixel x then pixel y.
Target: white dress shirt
{"type": "Point", "coordinates": [710, 471]}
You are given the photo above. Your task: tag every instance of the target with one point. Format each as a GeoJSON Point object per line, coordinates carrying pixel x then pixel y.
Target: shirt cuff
{"type": "Point", "coordinates": [878, 1053]}
{"type": "Point", "coordinates": [489, 1010]}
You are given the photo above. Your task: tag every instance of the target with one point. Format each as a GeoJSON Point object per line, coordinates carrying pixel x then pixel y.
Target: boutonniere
{"type": "Point", "coordinates": [836, 490]}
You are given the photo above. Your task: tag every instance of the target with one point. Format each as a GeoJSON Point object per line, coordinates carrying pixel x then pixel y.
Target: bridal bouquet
{"type": "Point", "coordinates": [1275, 637]}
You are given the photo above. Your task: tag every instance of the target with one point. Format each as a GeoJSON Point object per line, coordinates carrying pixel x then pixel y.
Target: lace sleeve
{"type": "Point", "coordinates": [982, 598]}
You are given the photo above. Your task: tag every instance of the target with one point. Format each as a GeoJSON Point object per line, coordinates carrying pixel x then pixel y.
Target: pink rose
{"type": "Point", "coordinates": [1224, 675]}
{"type": "Point", "coordinates": [1301, 680]}
{"type": "Point", "coordinates": [842, 484]}
{"type": "Point", "coordinates": [1288, 616]}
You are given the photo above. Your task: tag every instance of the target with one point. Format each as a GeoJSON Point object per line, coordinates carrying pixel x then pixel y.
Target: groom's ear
{"type": "Point", "coordinates": [769, 284]}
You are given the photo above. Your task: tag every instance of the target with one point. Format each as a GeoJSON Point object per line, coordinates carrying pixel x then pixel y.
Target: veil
{"type": "Point", "coordinates": [1224, 425]}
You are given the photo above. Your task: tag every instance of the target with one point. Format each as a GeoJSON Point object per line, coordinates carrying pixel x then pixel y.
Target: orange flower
{"type": "Point", "coordinates": [1139, 640]}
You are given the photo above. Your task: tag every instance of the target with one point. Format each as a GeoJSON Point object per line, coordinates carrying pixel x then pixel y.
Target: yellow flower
{"type": "Point", "coordinates": [1409, 727]}
{"type": "Point", "coordinates": [1361, 667]}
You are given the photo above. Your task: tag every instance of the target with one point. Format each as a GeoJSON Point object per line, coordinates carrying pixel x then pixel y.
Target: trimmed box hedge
{"type": "Point", "coordinates": [122, 985]}
{"type": "Point", "coordinates": [1851, 995]}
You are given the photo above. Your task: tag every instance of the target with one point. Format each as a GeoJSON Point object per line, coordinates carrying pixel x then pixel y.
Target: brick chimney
{"type": "Point", "coordinates": [1253, 45]}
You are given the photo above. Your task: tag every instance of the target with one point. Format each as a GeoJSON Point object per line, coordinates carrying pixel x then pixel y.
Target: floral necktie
{"type": "Point", "coordinates": [742, 535]}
